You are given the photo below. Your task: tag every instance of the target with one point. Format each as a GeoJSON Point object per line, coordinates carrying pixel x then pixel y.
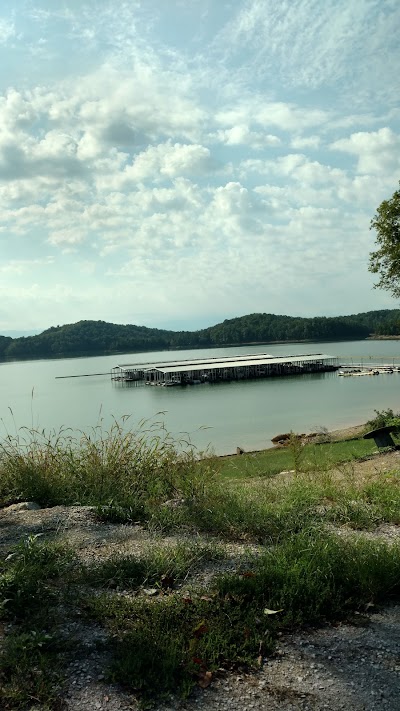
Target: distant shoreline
{"type": "Point", "coordinates": [116, 353]}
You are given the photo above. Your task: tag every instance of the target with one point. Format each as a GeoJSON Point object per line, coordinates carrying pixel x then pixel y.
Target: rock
{"type": "Point", "coordinates": [23, 506]}
{"type": "Point", "coordinates": [173, 503]}
{"type": "Point", "coordinates": [281, 437]}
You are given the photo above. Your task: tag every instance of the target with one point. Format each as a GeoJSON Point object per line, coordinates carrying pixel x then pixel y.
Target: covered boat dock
{"type": "Point", "coordinates": [216, 369]}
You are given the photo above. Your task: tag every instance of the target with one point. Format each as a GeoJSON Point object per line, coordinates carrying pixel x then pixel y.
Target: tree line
{"type": "Point", "coordinates": [99, 337]}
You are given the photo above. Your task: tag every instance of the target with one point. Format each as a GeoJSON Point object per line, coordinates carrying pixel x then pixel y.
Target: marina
{"type": "Point", "coordinates": [50, 394]}
{"type": "Point", "coordinates": [348, 371]}
{"type": "Point", "coordinates": [227, 368]}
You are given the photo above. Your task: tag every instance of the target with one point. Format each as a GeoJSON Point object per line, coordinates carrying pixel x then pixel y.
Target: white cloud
{"type": "Point", "coordinates": [242, 135]}
{"type": "Point", "coordinates": [254, 109]}
{"type": "Point", "coordinates": [301, 142]}
{"type": "Point", "coordinates": [376, 151]}
{"type": "Point", "coordinates": [67, 236]}
{"type": "Point", "coordinates": [157, 163]}
{"type": "Point", "coordinates": [307, 43]}
{"type": "Point", "coordinates": [20, 267]}
{"type": "Point", "coordinates": [7, 30]}
{"type": "Point", "coordinates": [134, 163]}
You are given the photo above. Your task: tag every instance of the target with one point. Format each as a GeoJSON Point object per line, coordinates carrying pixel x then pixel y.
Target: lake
{"type": "Point", "coordinates": [221, 415]}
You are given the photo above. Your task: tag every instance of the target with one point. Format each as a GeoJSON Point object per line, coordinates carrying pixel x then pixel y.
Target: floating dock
{"type": "Point", "coordinates": [217, 369]}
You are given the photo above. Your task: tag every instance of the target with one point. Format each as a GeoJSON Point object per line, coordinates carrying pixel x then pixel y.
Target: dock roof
{"type": "Point", "coordinates": [232, 361]}
{"type": "Point", "coordinates": [184, 367]}
{"type": "Point", "coordinates": [198, 361]}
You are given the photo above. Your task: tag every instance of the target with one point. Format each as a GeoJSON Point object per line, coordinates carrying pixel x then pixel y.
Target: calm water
{"type": "Point", "coordinates": [246, 413]}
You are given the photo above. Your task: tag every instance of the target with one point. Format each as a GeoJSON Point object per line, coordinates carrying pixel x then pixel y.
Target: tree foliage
{"type": "Point", "coordinates": [385, 261]}
{"type": "Point", "coordinates": [98, 337]}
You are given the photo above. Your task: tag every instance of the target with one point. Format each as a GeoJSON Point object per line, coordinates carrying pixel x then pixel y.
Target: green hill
{"type": "Point", "coordinates": [96, 337]}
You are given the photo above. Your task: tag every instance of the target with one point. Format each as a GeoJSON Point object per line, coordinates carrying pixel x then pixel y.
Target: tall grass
{"type": "Point", "coordinates": [144, 474]}
{"type": "Point", "coordinates": [133, 469]}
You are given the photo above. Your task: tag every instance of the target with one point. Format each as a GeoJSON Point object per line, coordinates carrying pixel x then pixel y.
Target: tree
{"type": "Point", "coordinates": [385, 261]}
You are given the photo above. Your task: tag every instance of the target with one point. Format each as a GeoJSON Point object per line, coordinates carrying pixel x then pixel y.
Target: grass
{"type": "Point", "coordinates": [289, 501]}
{"type": "Point", "coordinates": [32, 581]}
{"type": "Point", "coordinates": [118, 468]}
{"type": "Point", "coordinates": [31, 671]}
{"type": "Point", "coordinates": [161, 567]}
{"type": "Point", "coordinates": [171, 644]}
{"type": "Point", "coordinates": [168, 646]}
{"type": "Point", "coordinates": [30, 578]}
{"type": "Point", "coordinates": [314, 457]}
{"type": "Point", "coordinates": [317, 576]}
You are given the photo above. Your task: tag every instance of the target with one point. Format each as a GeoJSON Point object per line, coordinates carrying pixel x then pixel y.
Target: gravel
{"type": "Point", "coordinates": [339, 668]}
{"type": "Point", "coordinates": [348, 667]}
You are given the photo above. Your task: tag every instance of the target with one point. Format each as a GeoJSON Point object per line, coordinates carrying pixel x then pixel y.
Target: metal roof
{"type": "Point", "coordinates": [240, 362]}
{"type": "Point", "coordinates": [218, 361]}
{"type": "Point", "coordinates": [195, 361]}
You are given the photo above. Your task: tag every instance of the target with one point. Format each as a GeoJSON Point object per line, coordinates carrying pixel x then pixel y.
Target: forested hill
{"type": "Point", "coordinates": [86, 337]}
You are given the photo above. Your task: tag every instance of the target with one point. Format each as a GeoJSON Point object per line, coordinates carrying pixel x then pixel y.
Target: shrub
{"type": "Point", "coordinates": [383, 418]}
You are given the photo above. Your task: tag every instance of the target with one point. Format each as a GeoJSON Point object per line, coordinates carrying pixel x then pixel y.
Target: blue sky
{"type": "Point", "coordinates": [176, 162]}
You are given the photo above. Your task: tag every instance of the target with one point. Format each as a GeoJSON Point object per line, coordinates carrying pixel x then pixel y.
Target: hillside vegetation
{"type": "Point", "coordinates": [86, 337]}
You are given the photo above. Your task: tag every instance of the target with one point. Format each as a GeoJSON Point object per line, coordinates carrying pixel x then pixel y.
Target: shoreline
{"type": "Point", "coordinates": [343, 433]}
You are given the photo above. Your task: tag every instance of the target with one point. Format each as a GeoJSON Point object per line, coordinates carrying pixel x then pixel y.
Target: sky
{"type": "Point", "coordinates": [172, 163]}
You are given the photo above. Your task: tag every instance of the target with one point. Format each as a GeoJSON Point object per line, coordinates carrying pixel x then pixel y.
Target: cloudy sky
{"type": "Point", "coordinates": [173, 163]}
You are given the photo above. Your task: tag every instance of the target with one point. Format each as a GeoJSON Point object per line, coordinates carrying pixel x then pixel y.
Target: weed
{"type": "Point", "coordinates": [169, 643]}
{"type": "Point", "coordinates": [168, 646]}
{"type": "Point", "coordinates": [296, 448]}
{"type": "Point", "coordinates": [315, 576]}
{"type": "Point", "coordinates": [30, 659]}
{"type": "Point", "coordinates": [383, 418]}
{"type": "Point", "coordinates": [384, 495]}
{"type": "Point", "coordinates": [28, 577]}
{"type": "Point", "coordinates": [162, 566]}
{"type": "Point", "coordinates": [30, 671]}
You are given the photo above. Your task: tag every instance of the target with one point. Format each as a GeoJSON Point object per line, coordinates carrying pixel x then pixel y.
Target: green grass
{"type": "Point", "coordinates": [314, 456]}
{"type": "Point", "coordinates": [33, 581]}
{"type": "Point", "coordinates": [168, 643]}
{"type": "Point", "coordinates": [31, 671]}
{"type": "Point", "coordinates": [30, 578]}
{"type": "Point", "coordinates": [161, 567]}
{"type": "Point", "coordinates": [133, 469]}
{"type": "Point", "coordinates": [317, 576]}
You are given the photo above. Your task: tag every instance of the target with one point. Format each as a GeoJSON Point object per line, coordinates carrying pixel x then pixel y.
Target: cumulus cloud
{"type": "Point", "coordinates": [284, 115]}
{"type": "Point", "coordinates": [159, 162]}
{"type": "Point", "coordinates": [242, 135]}
{"type": "Point", "coordinates": [376, 151]}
